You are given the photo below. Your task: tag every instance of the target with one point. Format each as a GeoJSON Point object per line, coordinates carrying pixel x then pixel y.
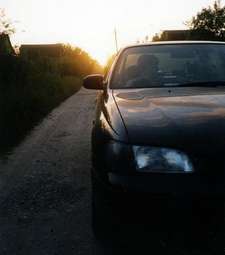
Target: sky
{"type": "Point", "coordinates": [90, 24]}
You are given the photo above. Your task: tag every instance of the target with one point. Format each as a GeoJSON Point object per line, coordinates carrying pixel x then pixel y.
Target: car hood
{"type": "Point", "coordinates": [185, 118]}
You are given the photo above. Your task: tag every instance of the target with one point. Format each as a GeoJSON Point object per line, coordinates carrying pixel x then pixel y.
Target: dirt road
{"type": "Point", "coordinates": [45, 185]}
{"type": "Point", "coordinates": [45, 192]}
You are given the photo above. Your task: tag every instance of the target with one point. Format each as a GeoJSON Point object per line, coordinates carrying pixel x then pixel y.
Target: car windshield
{"type": "Point", "coordinates": [170, 66]}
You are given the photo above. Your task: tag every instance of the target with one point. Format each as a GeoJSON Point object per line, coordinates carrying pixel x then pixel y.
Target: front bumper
{"type": "Point", "coordinates": [177, 184]}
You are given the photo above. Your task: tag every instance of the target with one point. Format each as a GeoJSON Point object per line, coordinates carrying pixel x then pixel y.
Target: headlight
{"type": "Point", "coordinates": [160, 160]}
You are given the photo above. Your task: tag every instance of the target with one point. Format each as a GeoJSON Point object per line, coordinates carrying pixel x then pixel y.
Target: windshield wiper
{"type": "Point", "coordinates": [203, 84]}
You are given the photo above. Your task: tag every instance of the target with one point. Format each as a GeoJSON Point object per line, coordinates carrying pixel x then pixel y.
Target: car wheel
{"type": "Point", "coordinates": [102, 216]}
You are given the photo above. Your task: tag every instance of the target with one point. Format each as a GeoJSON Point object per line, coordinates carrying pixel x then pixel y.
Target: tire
{"type": "Point", "coordinates": [102, 210]}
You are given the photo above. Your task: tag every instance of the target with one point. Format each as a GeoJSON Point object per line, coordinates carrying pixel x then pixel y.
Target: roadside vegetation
{"type": "Point", "coordinates": [32, 85]}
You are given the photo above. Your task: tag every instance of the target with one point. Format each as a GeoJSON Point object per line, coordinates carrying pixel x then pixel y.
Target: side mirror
{"type": "Point", "coordinates": [94, 81]}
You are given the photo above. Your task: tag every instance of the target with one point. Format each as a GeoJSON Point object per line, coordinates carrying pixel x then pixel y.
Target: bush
{"type": "Point", "coordinates": [31, 88]}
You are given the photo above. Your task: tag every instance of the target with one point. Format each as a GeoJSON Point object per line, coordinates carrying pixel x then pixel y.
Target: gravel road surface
{"type": "Point", "coordinates": [45, 195]}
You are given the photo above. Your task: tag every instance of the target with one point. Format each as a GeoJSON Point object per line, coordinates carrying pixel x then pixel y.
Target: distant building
{"type": "Point", "coordinates": [6, 47]}
{"type": "Point", "coordinates": [175, 35]}
{"type": "Point", "coordinates": [180, 35]}
{"type": "Point", "coordinates": [42, 50]}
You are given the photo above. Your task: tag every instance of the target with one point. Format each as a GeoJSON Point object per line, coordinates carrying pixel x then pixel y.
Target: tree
{"type": "Point", "coordinates": [209, 23]}
{"type": "Point", "coordinates": [6, 26]}
{"type": "Point", "coordinates": [109, 63]}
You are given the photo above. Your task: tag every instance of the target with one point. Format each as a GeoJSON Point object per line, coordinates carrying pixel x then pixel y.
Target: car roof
{"type": "Point", "coordinates": [173, 42]}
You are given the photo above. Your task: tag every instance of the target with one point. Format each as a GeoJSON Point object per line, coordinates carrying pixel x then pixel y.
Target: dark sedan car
{"type": "Point", "coordinates": [160, 125]}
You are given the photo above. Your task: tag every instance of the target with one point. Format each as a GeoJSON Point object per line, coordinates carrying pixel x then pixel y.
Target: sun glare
{"type": "Point", "coordinates": [90, 24]}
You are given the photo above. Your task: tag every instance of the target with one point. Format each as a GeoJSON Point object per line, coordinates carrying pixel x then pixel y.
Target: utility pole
{"type": "Point", "coordinates": [218, 2]}
{"type": "Point", "coordinates": [116, 40]}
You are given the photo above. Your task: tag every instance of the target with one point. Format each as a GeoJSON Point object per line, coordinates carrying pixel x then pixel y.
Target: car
{"type": "Point", "coordinates": [160, 126]}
